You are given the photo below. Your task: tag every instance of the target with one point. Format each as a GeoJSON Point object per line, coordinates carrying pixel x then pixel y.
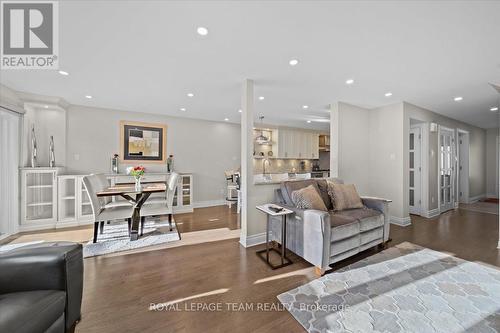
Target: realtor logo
{"type": "Point", "coordinates": [29, 35]}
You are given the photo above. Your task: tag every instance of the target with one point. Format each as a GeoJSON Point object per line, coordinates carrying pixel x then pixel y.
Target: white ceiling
{"type": "Point", "coordinates": [146, 56]}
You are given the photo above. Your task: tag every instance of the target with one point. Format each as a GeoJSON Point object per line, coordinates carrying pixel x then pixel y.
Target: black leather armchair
{"type": "Point", "coordinates": [41, 288]}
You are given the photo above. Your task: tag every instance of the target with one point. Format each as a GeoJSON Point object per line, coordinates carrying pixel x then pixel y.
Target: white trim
{"type": "Point", "coordinates": [465, 192]}
{"type": "Point", "coordinates": [209, 203]}
{"type": "Point", "coordinates": [253, 240]}
{"type": "Point", "coordinates": [431, 213]}
{"type": "Point", "coordinates": [498, 247]}
{"type": "Point", "coordinates": [401, 221]}
{"type": "Point", "coordinates": [492, 195]}
{"type": "Point", "coordinates": [476, 198]}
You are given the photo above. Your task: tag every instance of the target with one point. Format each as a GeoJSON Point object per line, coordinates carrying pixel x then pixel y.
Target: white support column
{"type": "Point", "coordinates": [334, 140]}
{"type": "Point", "coordinates": [246, 154]}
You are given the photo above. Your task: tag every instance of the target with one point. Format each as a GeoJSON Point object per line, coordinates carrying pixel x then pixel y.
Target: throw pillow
{"type": "Point", "coordinates": [344, 196]}
{"type": "Point", "coordinates": [308, 198]}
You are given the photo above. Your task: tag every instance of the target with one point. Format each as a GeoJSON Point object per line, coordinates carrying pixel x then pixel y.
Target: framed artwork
{"type": "Point", "coordinates": [143, 142]}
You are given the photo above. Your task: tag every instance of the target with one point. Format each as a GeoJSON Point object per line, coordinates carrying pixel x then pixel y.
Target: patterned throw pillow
{"type": "Point", "coordinates": [344, 196]}
{"type": "Point", "coordinates": [308, 198]}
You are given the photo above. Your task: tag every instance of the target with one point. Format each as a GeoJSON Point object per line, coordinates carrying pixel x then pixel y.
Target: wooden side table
{"type": "Point", "coordinates": [283, 213]}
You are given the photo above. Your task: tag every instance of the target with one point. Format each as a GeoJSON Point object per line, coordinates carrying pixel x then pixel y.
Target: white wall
{"type": "Point", "coordinates": [492, 162]}
{"type": "Point", "coordinates": [204, 148]}
{"type": "Point", "coordinates": [373, 152]}
{"type": "Point", "coordinates": [386, 156]}
{"type": "Point", "coordinates": [353, 145]}
{"type": "Point", "coordinates": [477, 152]}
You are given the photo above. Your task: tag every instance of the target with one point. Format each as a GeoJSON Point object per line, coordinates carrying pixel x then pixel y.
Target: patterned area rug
{"type": "Point", "coordinates": [115, 238]}
{"type": "Point", "coordinates": [402, 289]}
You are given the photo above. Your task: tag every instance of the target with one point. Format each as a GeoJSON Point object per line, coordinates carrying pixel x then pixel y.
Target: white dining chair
{"type": "Point", "coordinates": [164, 207]}
{"type": "Point", "coordinates": [101, 213]}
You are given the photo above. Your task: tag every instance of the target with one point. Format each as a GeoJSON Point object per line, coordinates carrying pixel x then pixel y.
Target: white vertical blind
{"type": "Point", "coordinates": [9, 171]}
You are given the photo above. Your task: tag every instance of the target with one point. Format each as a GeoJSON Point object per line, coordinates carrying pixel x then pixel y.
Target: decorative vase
{"type": "Point", "coordinates": [138, 186]}
{"type": "Point", "coordinates": [114, 164]}
{"type": "Point", "coordinates": [52, 155]}
{"type": "Point", "coordinates": [33, 147]}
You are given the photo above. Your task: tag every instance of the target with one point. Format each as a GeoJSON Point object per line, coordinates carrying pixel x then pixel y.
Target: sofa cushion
{"type": "Point", "coordinates": [323, 191]}
{"type": "Point", "coordinates": [344, 196]}
{"type": "Point", "coordinates": [342, 227]}
{"type": "Point", "coordinates": [308, 198]}
{"type": "Point", "coordinates": [30, 311]}
{"type": "Point", "coordinates": [344, 245]}
{"type": "Point", "coordinates": [289, 186]}
{"type": "Point", "coordinates": [372, 222]}
{"type": "Point", "coordinates": [371, 235]}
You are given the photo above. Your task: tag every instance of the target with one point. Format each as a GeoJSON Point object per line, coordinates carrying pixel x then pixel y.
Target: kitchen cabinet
{"type": "Point", "coordinates": [38, 198]}
{"type": "Point", "coordinates": [297, 144]}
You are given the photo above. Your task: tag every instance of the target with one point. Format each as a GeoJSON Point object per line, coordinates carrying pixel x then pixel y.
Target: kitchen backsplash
{"type": "Point", "coordinates": [281, 165]}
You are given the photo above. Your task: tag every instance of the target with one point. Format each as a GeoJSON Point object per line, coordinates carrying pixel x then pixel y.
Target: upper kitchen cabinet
{"type": "Point", "coordinates": [297, 144]}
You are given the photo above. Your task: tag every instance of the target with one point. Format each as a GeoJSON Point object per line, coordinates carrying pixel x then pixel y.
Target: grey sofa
{"type": "Point", "coordinates": [323, 238]}
{"type": "Point", "coordinates": [41, 288]}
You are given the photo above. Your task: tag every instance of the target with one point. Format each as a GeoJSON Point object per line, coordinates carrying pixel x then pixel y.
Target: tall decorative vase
{"type": "Point", "coordinates": [138, 186]}
{"type": "Point", "coordinates": [52, 155]}
{"type": "Point", "coordinates": [33, 147]}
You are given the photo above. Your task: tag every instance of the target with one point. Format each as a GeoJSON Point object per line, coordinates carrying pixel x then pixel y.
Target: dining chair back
{"type": "Point", "coordinates": [171, 186]}
{"type": "Point", "coordinates": [103, 184]}
{"type": "Point", "coordinates": [92, 185]}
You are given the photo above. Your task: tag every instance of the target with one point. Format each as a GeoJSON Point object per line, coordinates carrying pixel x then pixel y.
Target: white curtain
{"type": "Point", "coordinates": [10, 134]}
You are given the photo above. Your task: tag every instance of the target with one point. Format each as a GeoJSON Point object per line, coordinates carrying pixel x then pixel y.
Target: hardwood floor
{"type": "Point", "coordinates": [118, 290]}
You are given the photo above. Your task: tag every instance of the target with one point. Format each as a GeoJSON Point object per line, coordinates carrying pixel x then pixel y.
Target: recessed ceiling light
{"type": "Point", "coordinates": [190, 95]}
{"type": "Point", "coordinates": [293, 62]}
{"type": "Point", "coordinates": [226, 119]}
{"type": "Point", "coordinates": [261, 98]}
{"type": "Point", "coordinates": [202, 31]}
{"type": "Point", "coordinates": [240, 110]}
{"type": "Point", "coordinates": [308, 121]}
{"type": "Point", "coordinates": [88, 96]}
{"type": "Point", "coordinates": [182, 109]}
{"type": "Point", "coordinates": [305, 107]}
{"type": "Point", "coordinates": [388, 94]}
{"type": "Point", "coordinates": [458, 99]}
{"type": "Point", "coordinates": [349, 81]}
{"type": "Point", "coordinates": [63, 73]}
{"type": "Point", "coordinates": [46, 106]}
{"type": "Point", "coordinates": [495, 108]}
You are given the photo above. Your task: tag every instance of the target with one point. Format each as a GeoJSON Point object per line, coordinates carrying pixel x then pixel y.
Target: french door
{"type": "Point", "coordinates": [447, 169]}
{"type": "Point", "coordinates": [415, 201]}
{"type": "Point", "coordinates": [10, 128]}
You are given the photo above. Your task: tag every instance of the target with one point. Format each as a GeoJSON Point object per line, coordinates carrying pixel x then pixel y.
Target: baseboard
{"type": "Point", "coordinates": [209, 203]}
{"type": "Point", "coordinates": [253, 240]}
{"type": "Point", "coordinates": [492, 195]}
{"type": "Point", "coordinates": [431, 213]}
{"type": "Point", "coordinates": [477, 198]}
{"type": "Point", "coordinates": [401, 221]}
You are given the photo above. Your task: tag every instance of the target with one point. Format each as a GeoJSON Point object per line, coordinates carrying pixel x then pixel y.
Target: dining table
{"type": "Point", "coordinates": [136, 196]}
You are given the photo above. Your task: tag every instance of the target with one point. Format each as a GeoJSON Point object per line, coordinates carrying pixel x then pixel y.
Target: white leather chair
{"type": "Point", "coordinates": [164, 207]}
{"type": "Point", "coordinates": [101, 213]}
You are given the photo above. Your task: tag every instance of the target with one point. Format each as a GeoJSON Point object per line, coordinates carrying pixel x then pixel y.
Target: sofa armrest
{"type": "Point", "coordinates": [382, 205]}
{"type": "Point", "coordinates": [52, 266]}
{"type": "Point", "coordinates": [316, 230]}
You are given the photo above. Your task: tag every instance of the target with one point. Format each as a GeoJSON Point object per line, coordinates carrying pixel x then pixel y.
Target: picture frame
{"type": "Point", "coordinates": [143, 142]}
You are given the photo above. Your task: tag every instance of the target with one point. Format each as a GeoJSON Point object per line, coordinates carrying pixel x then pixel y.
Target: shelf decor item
{"type": "Point", "coordinates": [114, 164]}
{"type": "Point", "coordinates": [262, 139]}
{"type": "Point", "coordinates": [170, 163]}
{"type": "Point", "coordinates": [143, 142]}
{"type": "Point", "coordinates": [33, 147]}
{"type": "Point", "coordinates": [137, 172]}
{"type": "Point", "coordinates": [52, 156]}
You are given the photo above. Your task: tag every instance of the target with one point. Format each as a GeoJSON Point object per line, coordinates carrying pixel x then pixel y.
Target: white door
{"type": "Point", "coordinates": [447, 169]}
{"type": "Point", "coordinates": [10, 123]}
{"type": "Point", "coordinates": [415, 200]}
{"type": "Point", "coordinates": [463, 167]}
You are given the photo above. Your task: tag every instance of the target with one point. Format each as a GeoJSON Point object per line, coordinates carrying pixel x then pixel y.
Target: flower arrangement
{"type": "Point", "coordinates": [137, 171]}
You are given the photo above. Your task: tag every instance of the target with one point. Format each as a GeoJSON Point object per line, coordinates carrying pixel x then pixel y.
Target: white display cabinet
{"type": "Point", "coordinates": [73, 202]}
{"type": "Point", "coordinates": [38, 198]}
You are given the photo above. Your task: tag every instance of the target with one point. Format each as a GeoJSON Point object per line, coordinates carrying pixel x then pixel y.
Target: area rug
{"type": "Point", "coordinates": [405, 288]}
{"type": "Point", "coordinates": [115, 238]}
